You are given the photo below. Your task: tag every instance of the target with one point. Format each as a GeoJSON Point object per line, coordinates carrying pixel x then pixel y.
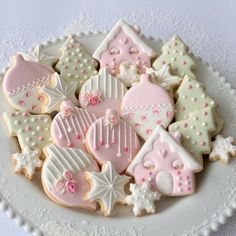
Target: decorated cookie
{"type": "Point", "coordinates": [70, 125]}
{"type": "Point", "coordinates": [58, 92]}
{"type": "Point", "coordinates": [142, 199]}
{"type": "Point", "coordinates": [196, 132]}
{"type": "Point", "coordinates": [32, 131]}
{"type": "Point", "coordinates": [223, 149]}
{"type": "Point", "coordinates": [164, 78]}
{"type": "Point", "coordinates": [27, 162]}
{"type": "Point", "coordinates": [112, 139]}
{"type": "Point", "coordinates": [191, 97]}
{"type": "Point", "coordinates": [175, 53]}
{"type": "Point", "coordinates": [101, 92]}
{"type": "Point", "coordinates": [123, 44]}
{"type": "Point", "coordinates": [63, 176]}
{"type": "Point", "coordinates": [75, 64]}
{"type": "Point", "coordinates": [107, 187]}
{"type": "Point", "coordinates": [164, 163]}
{"type": "Point", "coordinates": [22, 82]}
{"type": "Point", "coordinates": [147, 105]}
{"type": "Point", "coordinates": [38, 55]}
{"type": "Point", "coordinates": [128, 74]}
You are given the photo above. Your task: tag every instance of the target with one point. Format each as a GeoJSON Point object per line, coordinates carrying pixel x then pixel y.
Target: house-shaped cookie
{"type": "Point", "coordinates": [166, 164]}
{"type": "Point", "coordinates": [123, 44]}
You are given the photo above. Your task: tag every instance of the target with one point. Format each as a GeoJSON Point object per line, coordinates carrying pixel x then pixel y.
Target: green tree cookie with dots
{"type": "Point", "coordinates": [196, 132]}
{"type": "Point", "coordinates": [191, 97]}
{"type": "Point", "coordinates": [175, 53]}
{"type": "Point", "coordinates": [75, 64]}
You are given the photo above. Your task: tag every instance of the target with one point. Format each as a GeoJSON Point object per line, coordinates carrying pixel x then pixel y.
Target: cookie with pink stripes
{"type": "Point", "coordinates": [112, 139]}
{"type": "Point", "coordinates": [70, 125]}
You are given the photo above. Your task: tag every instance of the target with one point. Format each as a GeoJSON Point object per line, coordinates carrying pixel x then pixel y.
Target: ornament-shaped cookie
{"type": "Point", "coordinates": [22, 82]}
{"type": "Point", "coordinates": [147, 105]}
{"type": "Point", "coordinates": [101, 92]}
{"type": "Point", "coordinates": [63, 176]}
{"type": "Point", "coordinates": [112, 139]}
{"type": "Point", "coordinates": [70, 125]}
{"type": "Point", "coordinates": [75, 64]}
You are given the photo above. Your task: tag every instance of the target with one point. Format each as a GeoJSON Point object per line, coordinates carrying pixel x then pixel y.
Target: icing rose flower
{"type": "Point", "coordinates": [92, 97]}
{"type": "Point", "coordinates": [68, 175]}
{"type": "Point", "coordinates": [112, 118]}
{"type": "Point", "coordinates": [71, 186]}
{"type": "Point", "coordinates": [67, 109]}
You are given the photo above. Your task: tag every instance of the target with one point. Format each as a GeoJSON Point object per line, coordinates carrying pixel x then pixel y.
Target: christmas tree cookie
{"type": "Point", "coordinates": [195, 131]}
{"type": "Point", "coordinates": [175, 53]}
{"type": "Point", "coordinates": [75, 64]}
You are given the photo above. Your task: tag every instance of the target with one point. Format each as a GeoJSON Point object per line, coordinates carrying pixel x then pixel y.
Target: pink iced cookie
{"type": "Point", "coordinates": [63, 176]}
{"type": "Point", "coordinates": [123, 44]}
{"type": "Point", "coordinates": [165, 164]}
{"type": "Point", "coordinates": [101, 92]}
{"type": "Point", "coordinates": [21, 84]}
{"type": "Point", "coordinates": [147, 105]}
{"type": "Point", "coordinates": [112, 139]}
{"type": "Point", "coordinates": [70, 125]}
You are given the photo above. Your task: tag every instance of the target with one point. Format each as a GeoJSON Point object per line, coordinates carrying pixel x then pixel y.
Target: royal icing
{"type": "Point", "coordinates": [223, 149]}
{"type": "Point", "coordinates": [112, 139]}
{"type": "Point", "coordinates": [164, 163]}
{"type": "Point", "coordinates": [27, 162]}
{"type": "Point", "coordinates": [195, 131]}
{"type": "Point", "coordinates": [58, 92]}
{"type": "Point", "coordinates": [32, 131]}
{"type": "Point", "coordinates": [144, 112]}
{"type": "Point", "coordinates": [70, 125]}
{"type": "Point", "coordinates": [128, 74]}
{"type": "Point", "coordinates": [107, 187]}
{"type": "Point", "coordinates": [22, 82]}
{"type": "Point", "coordinates": [142, 199]}
{"type": "Point", "coordinates": [63, 176]}
{"type": "Point", "coordinates": [175, 53]}
{"type": "Point", "coordinates": [123, 44]}
{"type": "Point", "coordinates": [38, 55]}
{"type": "Point", "coordinates": [101, 92]}
{"type": "Point", "coordinates": [191, 97]}
{"type": "Point", "coordinates": [75, 64]}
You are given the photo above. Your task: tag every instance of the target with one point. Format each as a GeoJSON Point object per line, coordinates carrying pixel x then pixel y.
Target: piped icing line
{"type": "Point", "coordinates": [119, 142]}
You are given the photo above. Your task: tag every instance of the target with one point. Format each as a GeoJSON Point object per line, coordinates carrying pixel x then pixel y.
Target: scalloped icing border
{"type": "Point", "coordinates": [205, 230]}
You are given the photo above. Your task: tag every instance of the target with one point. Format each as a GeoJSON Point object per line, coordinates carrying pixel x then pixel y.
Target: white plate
{"type": "Point", "coordinates": [199, 214]}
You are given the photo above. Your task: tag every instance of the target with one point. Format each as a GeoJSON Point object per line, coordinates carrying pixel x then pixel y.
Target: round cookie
{"type": "Point", "coordinates": [112, 139]}
{"type": "Point", "coordinates": [101, 92]}
{"type": "Point", "coordinates": [63, 176]}
{"type": "Point", "coordinates": [22, 82]}
{"type": "Point", "coordinates": [70, 125]}
{"type": "Point", "coordinates": [147, 105]}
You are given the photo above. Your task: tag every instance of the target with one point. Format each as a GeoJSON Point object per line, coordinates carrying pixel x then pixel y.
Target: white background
{"type": "Point", "coordinates": [208, 27]}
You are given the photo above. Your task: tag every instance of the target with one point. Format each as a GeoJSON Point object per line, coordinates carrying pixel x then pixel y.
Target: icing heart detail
{"type": "Point", "coordinates": [162, 153]}
{"type": "Point", "coordinates": [124, 40]}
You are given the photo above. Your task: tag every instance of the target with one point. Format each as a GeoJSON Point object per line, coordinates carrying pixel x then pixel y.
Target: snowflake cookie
{"type": "Point", "coordinates": [107, 187]}
{"type": "Point", "coordinates": [223, 149]}
{"type": "Point", "coordinates": [142, 199]}
{"type": "Point", "coordinates": [27, 162]}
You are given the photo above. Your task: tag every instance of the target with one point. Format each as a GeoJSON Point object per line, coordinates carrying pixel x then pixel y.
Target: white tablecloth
{"type": "Point", "coordinates": [207, 26]}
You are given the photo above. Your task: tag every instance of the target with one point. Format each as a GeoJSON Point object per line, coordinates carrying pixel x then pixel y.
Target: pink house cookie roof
{"type": "Point", "coordinates": [161, 133]}
{"type": "Point", "coordinates": [121, 24]}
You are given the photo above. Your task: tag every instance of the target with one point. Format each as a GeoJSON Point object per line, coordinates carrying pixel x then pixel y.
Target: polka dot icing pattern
{"type": "Point", "coordinates": [70, 125]}
{"type": "Point", "coordinates": [144, 112]}
{"type": "Point", "coordinates": [101, 92]}
{"type": "Point", "coordinates": [32, 131]}
{"type": "Point", "coordinates": [195, 131]}
{"type": "Point", "coordinates": [175, 53]}
{"type": "Point", "coordinates": [75, 64]}
{"type": "Point", "coordinates": [22, 82]}
{"type": "Point", "coordinates": [63, 176]}
{"type": "Point", "coordinates": [164, 163]}
{"type": "Point", "coordinates": [191, 97]}
{"type": "Point", "coordinates": [123, 44]}
{"type": "Point", "coordinates": [112, 139]}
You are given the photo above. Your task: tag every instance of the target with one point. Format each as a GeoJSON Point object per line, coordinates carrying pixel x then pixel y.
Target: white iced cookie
{"type": "Point", "coordinates": [223, 149]}
{"type": "Point", "coordinates": [142, 199]}
{"type": "Point", "coordinates": [107, 187]}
